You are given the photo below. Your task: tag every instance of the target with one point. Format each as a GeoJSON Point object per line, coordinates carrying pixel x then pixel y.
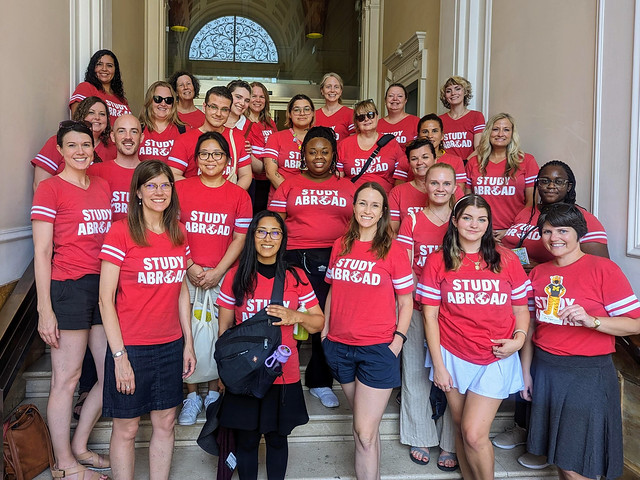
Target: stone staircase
{"type": "Point", "coordinates": [322, 449]}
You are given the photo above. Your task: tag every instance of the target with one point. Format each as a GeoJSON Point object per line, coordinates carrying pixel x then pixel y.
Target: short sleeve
{"type": "Point", "coordinates": [244, 214]}
{"type": "Point", "coordinates": [178, 157]}
{"type": "Point", "coordinates": [595, 230]}
{"type": "Point", "coordinates": [279, 201]}
{"type": "Point", "coordinates": [405, 233]}
{"type": "Point", "coordinates": [401, 273]}
{"type": "Point", "coordinates": [520, 283]}
{"type": "Point", "coordinates": [256, 140]}
{"type": "Point", "coordinates": [48, 158]}
{"type": "Point", "coordinates": [114, 248]}
{"type": "Point", "coordinates": [305, 291]}
{"type": "Point", "coordinates": [394, 204]}
{"type": "Point", "coordinates": [45, 204]}
{"type": "Point", "coordinates": [332, 261]}
{"type": "Point", "coordinates": [531, 170]}
{"type": "Point", "coordinates": [617, 294]}
{"type": "Point", "coordinates": [82, 91]}
{"type": "Point", "coordinates": [478, 122]}
{"type": "Point", "coordinates": [428, 289]}
{"type": "Point", "coordinates": [273, 147]}
{"type": "Point", "coordinates": [226, 298]}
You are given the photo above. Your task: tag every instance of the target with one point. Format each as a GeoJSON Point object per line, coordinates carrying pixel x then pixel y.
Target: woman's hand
{"type": "Point", "coordinates": [286, 315]}
{"type": "Point", "coordinates": [576, 315]}
{"type": "Point", "coordinates": [48, 328]}
{"type": "Point", "coordinates": [396, 345]}
{"type": "Point", "coordinates": [247, 147]}
{"type": "Point", "coordinates": [209, 278]}
{"type": "Point", "coordinates": [188, 362]}
{"type": "Point", "coordinates": [527, 392]}
{"type": "Point", "coordinates": [125, 378]}
{"type": "Point", "coordinates": [442, 379]}
{"type": "Point", "coordinates": [193, 273]}
{"type": "Point", "coordinates": [507, 346]}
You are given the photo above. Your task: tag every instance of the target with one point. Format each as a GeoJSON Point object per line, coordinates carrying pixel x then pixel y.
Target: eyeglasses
{"type": "Point", "coordinates": [274, 234]}
{"type": "Point", "coordinates": [152, 187]}
{"type": "Point", "coordinates": [361, 116]}
{"type": "Point", "coordinates": [216, 156]}
{"type": "Point", "coordinates": [73, 123]}
{"type": "Point", "coordinates": [159, 99]}
{"type": "Point", "coordinates": [215, 108]}
{"type": "Point", "coordinates": [299, 110]}
{"type": "Point", "coordinates": [559, 182]}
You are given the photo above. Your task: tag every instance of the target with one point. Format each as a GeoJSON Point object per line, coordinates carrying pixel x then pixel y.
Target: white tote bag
{"type": "Point", "coordinates": [204, 325]}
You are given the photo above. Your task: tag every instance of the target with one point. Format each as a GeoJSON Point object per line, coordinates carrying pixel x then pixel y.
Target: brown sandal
{"type": "Point", "coordinates": [94, 461]}
{"type": "Point", "coordinates": [80, 470]}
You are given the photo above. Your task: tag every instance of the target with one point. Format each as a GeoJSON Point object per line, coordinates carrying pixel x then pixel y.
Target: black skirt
{"type": "Point", "coordinates": [281, 410]}
{"type": "Point", "coordinates": [575, 414]}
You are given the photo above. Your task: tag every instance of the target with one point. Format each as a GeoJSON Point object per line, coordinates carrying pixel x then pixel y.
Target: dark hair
{"type": "Point", "coordinates": [233, 84]}
{"type": "Point", "coordinates": [294, 99]}
{"type": "Point", "coordinates": [173, 80]}
{"type": "Point", "coordinates": [116, 84]}
{"type": "Point", "coordinates": [83, 110]}
{"type": "Point", "coordinates": [563, 215]}
{"type": "Point", "coordinates": [144, 172]}
{"type": "Point", "coordinates": [245, 280]}
{"type": "Point", "coordinates": [451, 250]}
{"type": "Point", "coordinates": [219, 91]}
{"type": "Point", "coordinates": [404, 89]}
{"type": "Point", "coordinates": [264, 116]}
{"type": "Point", "coordinates": [384, 235]}
{"type": "Point", "coordinates": [67, 126]}
{"type": "Point", "coordinates": [218, 137]}
{"type": "Point", "coordinates": [430, 117]}
{"type": "Point", "coordinates": [320, 132]}
{"type": "Point", "coordinates": [419, 143]}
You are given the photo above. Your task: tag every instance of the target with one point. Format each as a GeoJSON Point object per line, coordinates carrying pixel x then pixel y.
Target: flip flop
{"type": "Point", "coordinates": [425, 455]}
{"type": "Point", "coordinates": [443, 457]}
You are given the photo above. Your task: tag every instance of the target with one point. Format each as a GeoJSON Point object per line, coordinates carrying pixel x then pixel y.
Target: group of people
{"type": "Point", "coordinates": [441, 260]}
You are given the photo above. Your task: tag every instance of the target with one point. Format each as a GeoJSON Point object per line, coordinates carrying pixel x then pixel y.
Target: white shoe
{"type": "Point", "coordinates": [536, 462]}
{"type": "Point", "coordinates": [510, 438]}
{"type": "Point", "coordinates": [191, 407]}
{"type": "Point", "coordinates": [210, 398]}
{"type": "Point", "coordinates": [326, 396]}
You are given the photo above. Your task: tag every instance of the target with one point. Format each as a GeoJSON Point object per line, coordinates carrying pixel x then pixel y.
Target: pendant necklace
{"type": "Point", "coordinates": [439, 217]}
{"type": "Point", "coordinates": [477, 264]}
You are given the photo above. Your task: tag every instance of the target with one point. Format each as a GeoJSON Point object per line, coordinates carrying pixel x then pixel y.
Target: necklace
{"type": "Point", "coordinates": [438, 216]}
{"type": "Point", "coordinates": [296, 139]}
{"type": "Point", "coordinates": [477, 264]}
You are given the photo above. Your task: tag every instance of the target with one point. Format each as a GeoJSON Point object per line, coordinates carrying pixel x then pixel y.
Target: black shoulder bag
{"type": "Point", "coordinates": [386, 138]}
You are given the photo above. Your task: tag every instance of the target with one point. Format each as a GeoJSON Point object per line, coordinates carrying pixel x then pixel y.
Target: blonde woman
{"type": "Point", "coordinates": [334, 115]}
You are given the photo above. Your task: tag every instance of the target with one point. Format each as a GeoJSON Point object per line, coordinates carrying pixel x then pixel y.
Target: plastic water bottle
{"type": "Point", "coordinates": [279, 357]}
{"type": "Point", "coordinates": [299, 332]}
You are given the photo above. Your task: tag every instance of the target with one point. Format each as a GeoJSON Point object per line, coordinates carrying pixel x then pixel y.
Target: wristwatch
{"type": "Point", "coordinates": [596, 323]}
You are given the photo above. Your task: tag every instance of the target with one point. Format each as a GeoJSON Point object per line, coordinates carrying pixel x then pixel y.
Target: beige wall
{"type": "Point", "coordinates": [402, 18]}
{"type": "Point", "coordinates": [35, 53]}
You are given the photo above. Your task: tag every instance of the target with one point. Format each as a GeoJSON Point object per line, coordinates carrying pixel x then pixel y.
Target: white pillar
{"type": "Point", "coordinates": [371, 49]}
{"type": "Point", "coordinates": [155, 41]}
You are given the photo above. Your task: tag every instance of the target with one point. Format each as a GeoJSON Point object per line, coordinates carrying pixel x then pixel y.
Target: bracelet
{"type": "Point", "coordinates": [401, 335]}
{"type": "Point", "coordinates": [521, 331]}
{"type": "Point", "coordinates": [190, 266]}
{"type": "Point", "coordinates": [119, 353]}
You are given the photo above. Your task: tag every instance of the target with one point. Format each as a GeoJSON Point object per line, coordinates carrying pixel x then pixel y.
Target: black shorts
{"type": "Point", "coordinates": [75, 302]}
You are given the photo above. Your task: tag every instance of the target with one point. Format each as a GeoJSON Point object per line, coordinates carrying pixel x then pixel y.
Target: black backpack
{"type": "Point", "coordinates": [242, 350]}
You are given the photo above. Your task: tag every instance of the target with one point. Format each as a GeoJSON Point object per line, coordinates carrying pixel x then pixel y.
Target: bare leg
{"type": "Point", "coordinates": [161, 444]}
{"type": "Point", "coordinates": [122, 449]}
{"type": "Point", "coordinates": [191, 387]}
{"type": "Point", "coordinates": [570, 475]}
{"type": "Point", "coordinates": [455, 403]}
{"type": "Point", "coordinates": [349, 390]}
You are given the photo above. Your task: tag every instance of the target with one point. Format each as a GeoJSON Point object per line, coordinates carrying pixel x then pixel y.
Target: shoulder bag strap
{"type": "Point", "coordinates": [379, 144]}
{"type": "Point", "coordinates": [233, 175]}
{"type": "Point", "coordinates": [246, 132]}
{"type": "Point", "coordinates": [277, 293]}
{"type": "Point", "coordinates": [413, 240]}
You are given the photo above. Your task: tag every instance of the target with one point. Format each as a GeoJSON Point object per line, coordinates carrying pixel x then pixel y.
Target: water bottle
{"type": "Point", "coordinates": [299, 332]}
{"type": "Point", "coordinates": [279, 357]}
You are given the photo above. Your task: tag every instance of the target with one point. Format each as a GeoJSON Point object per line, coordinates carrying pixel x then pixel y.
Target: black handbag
{"type": "Point", "coordinates": [241, 351]}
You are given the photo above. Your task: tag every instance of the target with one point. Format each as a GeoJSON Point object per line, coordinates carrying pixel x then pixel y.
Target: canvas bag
{"type": "Point", "coordinates": [204, 327]}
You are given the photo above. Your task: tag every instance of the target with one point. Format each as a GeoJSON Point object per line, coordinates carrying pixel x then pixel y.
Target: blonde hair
{"type": "Point", "coordinates": [450, 169]}
{"type": "Point", "coordinates": [363, 107]}
{"type": "Point", "coordinates": [514, 154]}
{"type": "Point", "coordinates": [455, 80]}
{"type": "Point", "coordinates": [145, 115]}
{"type": "Point", "coordinates": [326, 76]}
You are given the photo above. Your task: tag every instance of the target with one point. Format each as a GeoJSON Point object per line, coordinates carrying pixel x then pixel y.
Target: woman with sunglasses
{"type": "Point", "coordinates": [70, 216]}
{"type": "Point", "coordinates": [92, 110]}
{"type": "Point", "coordinates": [103, 80]}
{"type": "Point", "coordinates": [354, 151]}
{"type": "Point", "coordinates": [145, 305]}
{"type": "Point", "coordinates": [398, 122]}
{"type": "Point", "coordinates": [281, 156]}
{"type": "Point", "coordinates": [245, 290]}
{"type": "Point", "coordinates": [160, 123]}
{"type": "Point", "coordinates": [216, 214]}
{"type": "Point", "coordinates": [334, 115]}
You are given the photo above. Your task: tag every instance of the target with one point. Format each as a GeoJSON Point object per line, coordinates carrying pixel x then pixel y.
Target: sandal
{"type": "Point", "coordinates": [77, 409]}
{"type": "Point", "coordinates": [444, 457]}
{"type": "Point", "coordinates": [94, 461]}
{"type": "Point", "coordinates": [424, 451]}
{"type": "Point", "coordinates": [78, 469]}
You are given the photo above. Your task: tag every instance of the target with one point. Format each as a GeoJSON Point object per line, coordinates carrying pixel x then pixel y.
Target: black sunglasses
{"type": "Point", "coordinates": [360, 117]}
{"type": "Point", "coordinates": [159, 99]}
{"type": "Point", "coordinates": [73, 123]}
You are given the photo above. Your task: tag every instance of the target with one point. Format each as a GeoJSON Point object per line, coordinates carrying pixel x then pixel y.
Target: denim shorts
{"type": "Point", "coordinates": [75, 302]}
{"type": "Point", "coordinates": [376, 366]}
{"type": "Point", "coordinates": [158, 377]}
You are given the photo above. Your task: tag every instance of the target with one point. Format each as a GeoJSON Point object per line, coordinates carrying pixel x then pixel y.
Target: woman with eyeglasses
{"type": "Point", "coordinates": [70, 216]}
{"type": "Point", "coordinates": [245, 291]}
{"type": "Point", "coordinates": [187, 87]}
{"type": "Point", "coordinates": [354, 151]}
{"type": "Point", "coordinates": [398, 122]}
{"type": "Point", "coordinates": [103, 80]}
{"type": "Point", "coordinates": [334, 115]}
{"type": "Point", "coordinates": [160, 123]}
{"type": "Point", "coordinates": [281, 156]}
{"type": "Point", "coordinates": [144, 302]}
{"type": "Point", "coordinates": [502, 173]}
{"type": "Point", "coordinates": [316, 206]}
{"type": "Point", "coordinates": [92, 110]}
{"type": "Point", "coordinates": [216, 214]}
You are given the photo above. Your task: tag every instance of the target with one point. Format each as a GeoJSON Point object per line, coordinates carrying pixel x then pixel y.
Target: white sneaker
{"type": "Point", "coordinates": [510, 438]}
{"type": "Point", "coordinates": [191, 407]}
{"type": "Point", "coordinates": [326, 396]}
{"type": "Point", "coordinates": [211, 397]}
{"type": "Point", "coordinates": [536, 462]}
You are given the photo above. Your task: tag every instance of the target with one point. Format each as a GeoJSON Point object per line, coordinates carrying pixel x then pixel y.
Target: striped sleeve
{"type": "Point", "coordinates": [394, 204]}
{"type": "Point", "coordinates": [226, 301]}
{"type": "Point", "coordinates": [400, 285]}
{"type": "Point", "coordinates": [629, 306]}
{"type": "Point", "coordinates": [112, 254]}
{"type": "Point", "coordinates": [479, 123]}
{"type": "Point", "coordinates": [279, 201]}
{"type": "Point", "coordinates": [305, 291]}
{"type": "Point", "coordinates": [521, 292]}
{"type": "Point", "coordinates": [44, 206]}
{"type": "Point", "coordinates": [242, 224]}
{"type": "Point", "coordinates": [428, 295]}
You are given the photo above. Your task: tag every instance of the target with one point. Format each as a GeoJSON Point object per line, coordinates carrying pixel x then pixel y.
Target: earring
{"type": "Point", "coordinates": [139, 201]}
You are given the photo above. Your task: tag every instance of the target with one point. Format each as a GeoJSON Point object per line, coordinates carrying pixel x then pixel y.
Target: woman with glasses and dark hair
{"type": "Point", "coordinates": [70, 216]}
{"type": "Point", "coordinates": [103, 80]}
{"type": "Point", "coordinates": [354, 151]}
{"type": "Point", "coordinates": [334, 114]}
{"type": "Point", "coordinates": [187, 87]}
{"type": "Point", "coordinates": [245, 291]}
{"type": "Point", "coordinates": [316, 206]}
{"type": "Point", "coordinates": [398, 122]}
{"type": "Point", "coordinates": [474, 296]}
{"type": "Point", "coordinates": [582, 302]}
{"type": "Point", "coordinates": [216, 214]}
{"type": "Point", "coordinates": [144, 302]}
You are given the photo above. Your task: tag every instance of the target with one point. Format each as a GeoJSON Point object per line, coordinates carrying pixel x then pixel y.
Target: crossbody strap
{"type": "Point", "coordinates": [277, 293]}
{"type": "Point", "coordinates": [379, 144]}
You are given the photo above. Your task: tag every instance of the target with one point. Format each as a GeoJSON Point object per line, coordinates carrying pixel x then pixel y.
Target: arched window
{"type": "Point", "coordinates": [233, 39]}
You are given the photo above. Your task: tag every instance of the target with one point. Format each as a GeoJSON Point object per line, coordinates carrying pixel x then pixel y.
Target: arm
{"type": "Point", "coordinates": [526, 356]}
{"type": "Point", "coordinates": [467, 189]}
{"type": "Point", "coordinates": [327, 311]}
{"type": "Point", "coordinates": [257, 166]}
{"type": "Point", "coordinates": [395, 225]}
{"type": "Point", "coordinates": [405, 309]}
{"type": "Point", "coordinates": [244, 177]}
{"type": "Point", "coordinates": [506, 347]}
{"type": "Point", "coordinates": [211, 278]}
{"type": "Point", "coordinates": [312, 320]}
{"type": "Point", "coordinates": [184, 311]}
{"type": "Point", "coordinates": [177, 174]}
{"type": "Point", "coordinates": [39, 174]}
{"type": "Point", "coordinates": [42, 254]}
{"type": "Point", "coordinates": [618, 326]}
{"type": "Point", "coordinates": [271, 169]}
{"type": "Point", "coordinates": [225, 320]}
{"type": "Point", "coordinates": [441, 377]}
{"type": "Point", "coordinates": [597, 249]}
{"type": "Point", "coordinates": [528, 197]}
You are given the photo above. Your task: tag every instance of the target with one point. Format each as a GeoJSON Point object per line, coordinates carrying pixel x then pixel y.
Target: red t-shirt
{"type": "Point", "coordinates": [211, 217]}
{"type": "Point", "coordinates": [363, 306]}
{"type": "Point", "coordinates": [317, 213]}
{"type": "Point", "coordinates": [192, 119]}
{"type": "Point", "coordinates": [340, 121]}
{"type": "Point", "coordinates": [119, 180]}
{"type": "Point", "coordinates": [475, 305]}
{"type": "Point", "coordinates": [148, 286]}
{"type": "Point", "coordinates": [351, 159]}
{"type": "Point", "coordinates": [596, 284]}
{"type": "Point", "coordinates": [404, 172]}
{"type": "Point", "coordinates": [282, 147]}
{"type": "Point", "coordinates": [117, 106]}
{"type": "Point", "coordinates": [157, 145]}
{"type": "Point", "coordinates": [506, 196]}
{"type": "Point", "coordinates": [405, 198]}
{"type": "Point", "coordinates": [425, 238]}
{"type": "Point", "coordinates": [458, 134]}
{"type": "Point", "coordinates": [259, 133]}
{"type": "Point", "coordinates": [80, 219]}
{"type": "Point", "coordinates": [182, 155]}
{"type": "Point", "coordinates": [535, 249]}
{"type": "Point", "coordinates": [50, 160]}
{"type": "Point", "coordinates": [404, 131]}
{"type": "Point", "coordinates": [294, 296]}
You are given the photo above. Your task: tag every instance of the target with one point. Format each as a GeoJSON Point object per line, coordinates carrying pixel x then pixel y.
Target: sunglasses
{"type": "Point", "coordinates": [370, 115]}
{"type": "Point", "coordinates": [159, 99]}
{"type": "Point", "coordinates": [73, 123]}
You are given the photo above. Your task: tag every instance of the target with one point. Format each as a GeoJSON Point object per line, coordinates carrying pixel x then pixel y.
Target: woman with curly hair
{"type": "Point", "coordinates": [187, 87]}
